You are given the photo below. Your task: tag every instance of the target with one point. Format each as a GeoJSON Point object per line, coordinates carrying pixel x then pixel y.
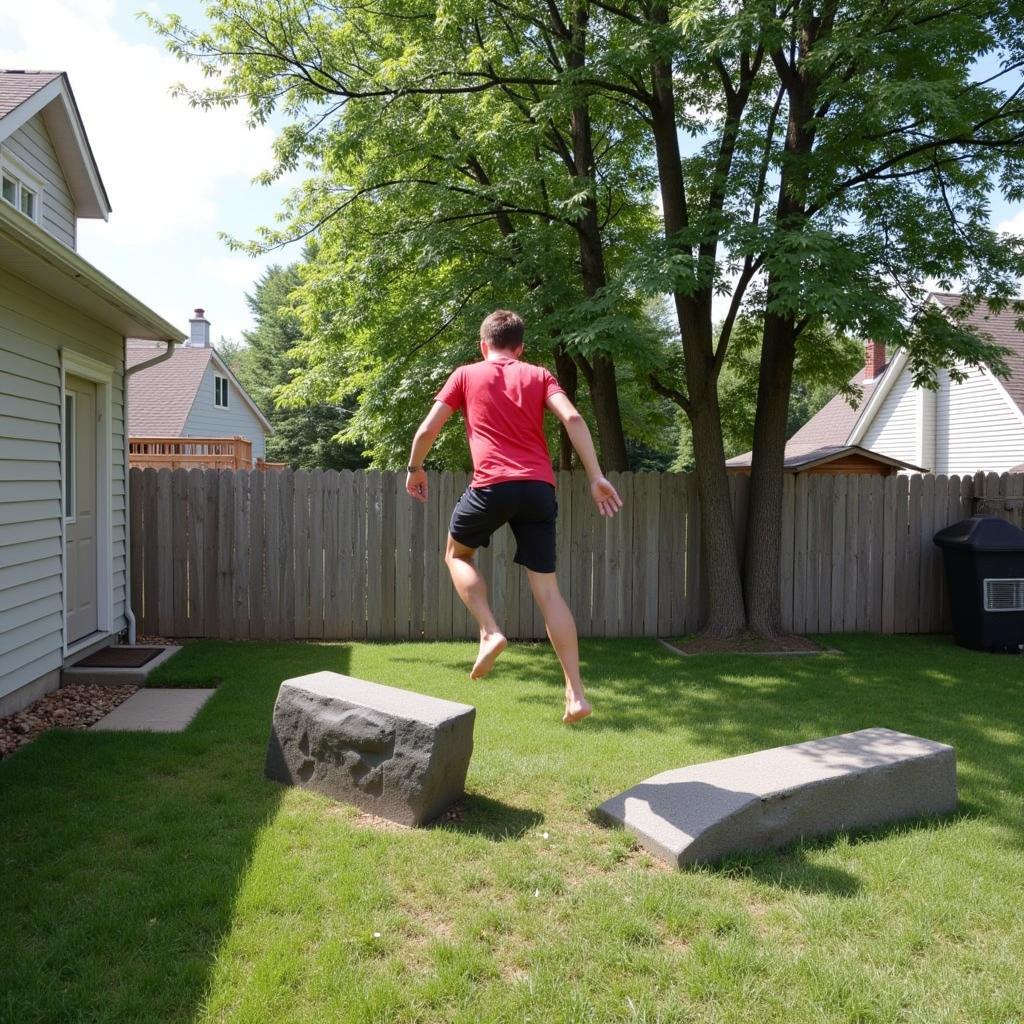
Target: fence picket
{"type": "Point", "coordinates": [374, 561]}
{"type": "Point", "coordinates": [888, 565]}
{"type": "Point", "coordinates": [240, 567]}
{"type": "Point", "coordinates": [687, 589]}
{"type": "Point", "coordinates": [404, 577]}
{"type": "Point", "coordinates": [358, 563]}
{"type": "Point", "coordinates": [316, 554]}
{"type": "Point", "coordinates": [300, 559]}
{"type": "Point", "coordinates": [786, 554]}
{"type": "Point", "coordinates": [840, 547]}
{"type": "Point", "coordinates": [225, 550]}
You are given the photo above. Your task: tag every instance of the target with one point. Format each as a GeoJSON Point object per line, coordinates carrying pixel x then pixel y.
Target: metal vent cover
{"type": "Point", "coordinates": [1004, 595]}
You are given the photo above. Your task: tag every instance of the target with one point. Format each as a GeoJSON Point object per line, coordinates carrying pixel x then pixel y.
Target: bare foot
{"type": "Point", "coordinates": [576, 710]}
{"type": "Point", "coordinates": [491, 645]}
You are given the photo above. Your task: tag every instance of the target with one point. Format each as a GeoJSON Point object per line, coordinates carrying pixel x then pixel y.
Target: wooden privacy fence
{"type": "Point", "coordinates": [339, 556]}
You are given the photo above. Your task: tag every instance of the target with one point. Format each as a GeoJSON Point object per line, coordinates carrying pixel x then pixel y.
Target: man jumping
{"type": "Point", "coordinates": [503, 400]}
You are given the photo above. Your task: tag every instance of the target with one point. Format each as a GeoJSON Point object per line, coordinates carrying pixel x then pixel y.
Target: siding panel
{"type": "Point", "coordinates": [33, 330]}
{"type": "Point", "coordinates": [31, 146]}
{"type": "Point", "coordinates": [893, 431]}
{"type": "Point", "coordinates": [207, 420]}
{"type": "Point", "coordinates": [977, 430]}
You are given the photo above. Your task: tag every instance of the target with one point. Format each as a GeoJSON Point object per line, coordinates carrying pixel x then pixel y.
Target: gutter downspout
{"type": "Point", "coordinates": [128, 372]}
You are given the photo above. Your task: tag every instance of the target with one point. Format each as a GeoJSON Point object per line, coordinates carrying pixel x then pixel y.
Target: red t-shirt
{"type": "Point", "coordinates": [503, 402]}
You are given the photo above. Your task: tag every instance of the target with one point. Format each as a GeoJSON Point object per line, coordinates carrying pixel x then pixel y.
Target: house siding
{"type": "Point", "coordinates": [977, 429]}
{"type": "Point", "coordinates": [34, 328]}
{"type": "Point", "coordinates": [207, 420]}
{"type": "Point", "coordinates": [31, 145]}
{"type": "Point", "coordinates": [894, 429]}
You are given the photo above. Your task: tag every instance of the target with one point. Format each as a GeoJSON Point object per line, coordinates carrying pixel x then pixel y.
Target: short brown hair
{"type": "Point", "coordinates": [503, 330]}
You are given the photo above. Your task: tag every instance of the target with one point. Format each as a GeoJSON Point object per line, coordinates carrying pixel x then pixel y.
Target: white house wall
{"type": "Point", "coordinates": [33, 329]}
{"type": "Point", "coordinates": [976, 427]}
{"type": "Point", "coordinates": [30, 145]}
{"type": "Point", "coordinates": [207, 420]}
{"type": "Point", "coordinates": [894, 429]}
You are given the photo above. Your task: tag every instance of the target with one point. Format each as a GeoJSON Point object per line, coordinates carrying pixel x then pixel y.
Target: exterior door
{"type": "Point", "coordinates": [80, 514]}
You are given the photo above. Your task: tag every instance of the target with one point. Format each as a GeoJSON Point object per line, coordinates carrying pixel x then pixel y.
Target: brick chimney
{"type": "Point", "coordinates": [874, 358]}
{"type": "Point", "coordinates": [199, 330]}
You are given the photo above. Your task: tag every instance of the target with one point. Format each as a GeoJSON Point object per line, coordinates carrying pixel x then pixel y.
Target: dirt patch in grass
{"type": "Point", "coordinates": [363, 819]}
{"type": "Point", "coordinates": [746, 643]}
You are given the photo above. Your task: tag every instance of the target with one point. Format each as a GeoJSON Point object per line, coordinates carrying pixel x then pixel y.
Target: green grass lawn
{"type": "Point", "coordinates": [152, 878]}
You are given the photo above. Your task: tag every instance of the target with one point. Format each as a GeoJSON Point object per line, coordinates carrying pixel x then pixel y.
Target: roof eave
{"type": "Point", "coordinates": [35, 256]}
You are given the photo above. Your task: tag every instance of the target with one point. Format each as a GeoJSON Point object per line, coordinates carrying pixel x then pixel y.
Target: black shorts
{"type": "Point", "coordinates": [528, 506]}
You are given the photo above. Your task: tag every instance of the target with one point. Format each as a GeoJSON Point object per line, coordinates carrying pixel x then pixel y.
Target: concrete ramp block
{"type": "Point", "coordinates": [395, 753]}
{"type": "Point", "coordinates": [860, 779]}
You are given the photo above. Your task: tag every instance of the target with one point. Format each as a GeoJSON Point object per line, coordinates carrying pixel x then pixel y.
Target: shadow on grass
{"type": "Point", "coordinates": [123, 853]}
{"type": "Point", "coordinates": [478, 815]}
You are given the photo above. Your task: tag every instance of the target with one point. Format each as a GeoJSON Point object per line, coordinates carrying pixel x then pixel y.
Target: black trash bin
{"type": "Point", "coordinates": [984, 558]}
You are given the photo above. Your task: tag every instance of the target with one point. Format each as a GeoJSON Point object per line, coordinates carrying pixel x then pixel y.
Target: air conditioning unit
{"type": "Point", "coordinates": [1004, 595]}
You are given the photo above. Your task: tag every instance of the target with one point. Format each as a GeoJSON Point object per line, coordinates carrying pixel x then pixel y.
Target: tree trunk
{"type": "Point", "coordinates": [600, 374]}
{"type": "Point", "coordinates": [719, 555]}
{"type": "Point", "coordinates": [604, 394]}
{"type": "Point", "coordinates": [725, 613]}
{"type": "Point", "coordinates": [568, 378]}
{"type": "Point", "coordinates": [775, 376]}
{"type": "Point", "coordinates": [767, 477]}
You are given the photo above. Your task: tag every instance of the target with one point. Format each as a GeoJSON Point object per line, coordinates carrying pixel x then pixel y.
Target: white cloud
{"type": "Point", "coordinates": [1014, 225]}
{"type": "Point", "coordinates": [238, 272]}
{"type": "Point", "coordinates": [161, 160]}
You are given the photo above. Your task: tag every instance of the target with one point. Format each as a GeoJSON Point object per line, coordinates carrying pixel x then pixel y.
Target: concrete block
{"type": "Point", "coordinates": [397, 754]}
{"type": "Point", "coordinates": [704, 812]}
{"type": "Point", "coordinates": [155, 710]}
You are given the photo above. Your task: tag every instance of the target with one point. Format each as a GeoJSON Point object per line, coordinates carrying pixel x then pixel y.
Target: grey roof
{"type": "Point", "coordinates": [826, 453]}
{"type": "Point", "coordinates": [18, 86]}
{"type": "Point", "coordinates": [161, 397]}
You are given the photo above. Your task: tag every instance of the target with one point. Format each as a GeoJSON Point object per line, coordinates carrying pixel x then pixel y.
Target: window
{"type": "Point", "coordinates": [21, 196]}
{"type": "Point", "coordinates": [69, 458]}
{"type": "Point", "coordinates": [27, 202]}
{"type": "Point", "coordinates": [220, 392]}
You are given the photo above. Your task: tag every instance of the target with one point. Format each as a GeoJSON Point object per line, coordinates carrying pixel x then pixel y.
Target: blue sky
{"type": "Point", "coordinates": [176, 176]}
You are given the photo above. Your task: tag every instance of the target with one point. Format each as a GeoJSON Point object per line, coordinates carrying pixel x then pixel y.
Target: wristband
{"type": "Point", "coordinates": [413, 469]}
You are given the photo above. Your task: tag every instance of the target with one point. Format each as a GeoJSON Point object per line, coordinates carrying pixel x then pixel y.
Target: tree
{"type": "Point", "coordinates": [824, 366]}
{"type": "Point", "coordinates": [306, 435]}
{"type": "Point", "coordinates": [842, 153]}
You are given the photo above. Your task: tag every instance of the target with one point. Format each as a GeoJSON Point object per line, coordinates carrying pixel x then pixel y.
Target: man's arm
{"type": "Point", "coordinates": [604, 494]}
{"type": "Point", "coordinates": [426, 435]}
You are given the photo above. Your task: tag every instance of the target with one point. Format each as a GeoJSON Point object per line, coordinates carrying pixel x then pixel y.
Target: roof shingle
{"type": "Point", "coordinates": [18, 86]}
{"type": "Point", "coordinates": [161, 397]}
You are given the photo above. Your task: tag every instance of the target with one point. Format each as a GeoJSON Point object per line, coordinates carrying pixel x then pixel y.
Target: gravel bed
{"type": "Point", "coordinates": [75, 706]}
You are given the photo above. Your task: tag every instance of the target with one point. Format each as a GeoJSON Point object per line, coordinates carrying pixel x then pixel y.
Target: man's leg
{"type": "Point", "coordinates": [472, 588]}
{"type": "Point", "coordinates": [561, 628]}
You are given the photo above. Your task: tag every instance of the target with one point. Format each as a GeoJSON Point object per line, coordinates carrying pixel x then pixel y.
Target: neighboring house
{"type": "Point", "coordinates": [960, 428]}
{"type": "Point", "coordinates": [63, 455]}
{"type": "Point", "coordinates": [191, 395]}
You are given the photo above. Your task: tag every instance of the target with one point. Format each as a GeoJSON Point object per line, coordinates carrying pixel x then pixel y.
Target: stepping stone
{"type": "Point", "coordinates": [395, 753]}
{"type": "Point", "coordinates": [706, 811]}
{"type": "Point", "coordinates": [155, 710]}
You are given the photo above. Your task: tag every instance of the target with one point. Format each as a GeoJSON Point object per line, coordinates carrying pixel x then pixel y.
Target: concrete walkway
{"type": "Point", "coordinates": [155, 710]}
